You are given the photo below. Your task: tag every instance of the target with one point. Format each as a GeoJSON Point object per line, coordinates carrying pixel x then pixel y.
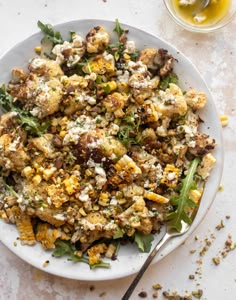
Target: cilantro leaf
{"type": "Point", "coordinates": [182, 201]}
{"type": "Point", "coordinates": [51, 35]}
{"type": "Point", "coordinates": [144, 242]}
{"type": "Point", "coordinates": [118, 28]}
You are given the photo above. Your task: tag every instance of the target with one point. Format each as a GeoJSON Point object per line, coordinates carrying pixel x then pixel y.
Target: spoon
{"type": "Point", "coordinates": [200, 6]}
{"type": "Point", "coordinates": [169, 234]}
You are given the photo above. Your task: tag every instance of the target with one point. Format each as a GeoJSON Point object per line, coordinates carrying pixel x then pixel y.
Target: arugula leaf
{"type": "Point", "coordinates": [119, 233]}
{"type": "Point", "coordinates": [144, 242]}
{"type": "Point", "coordinates": [118, 28]}
{"type": "Point", "coordinates": [51, 35]}
{"type": "Point", "coordinates": [25, 119]}
{"type": "Point", "coordinates": [65, 248]}
{"type": "Point", "coordinates": [182, 201]}
{"type": "Point", "coordinates": [171, 78]}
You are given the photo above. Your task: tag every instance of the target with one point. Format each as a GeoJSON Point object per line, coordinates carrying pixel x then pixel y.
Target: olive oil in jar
{"type": "Point", "coordinates": [213, 13]}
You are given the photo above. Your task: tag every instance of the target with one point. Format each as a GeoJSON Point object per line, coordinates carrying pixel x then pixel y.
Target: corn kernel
{"type": "Point", "coordinates": [195, 195]}
{"type": "Point", "coordinates": [36, 179]}
{"type": "Point", "coordinates": [28, 172]}
{"type": "Point", "coordinates": [62, 133]}
{"type": "Point", "coordinates": [38, 49]}
{"type": "Point", "coordinates": [224, 120]}
{"type": "Point", "coordinates": [126, 56]}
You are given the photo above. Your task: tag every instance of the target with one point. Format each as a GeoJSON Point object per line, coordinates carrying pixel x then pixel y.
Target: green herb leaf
{"type": "Point", "coordinates": [119, 233]}
{"type": "Point", "coordinates": [101, 264]}
{"type": "Point", "coordinates": [25, 119]}
{"type": "Point", "coordinates": [118, 28]}
{"type": "Point", "coordinates": [144, 242]}
{"type": "Point", "coordinates": [107, 88]}
{"type": "Point", "coordinates": [63, 248]}
{"type": "Point", "coordinates": [134, 55]}
{"type": "Point", "coordinates": [182, 201]}
{"type": "Point", "coordinates": [51, 35]}
{"type": "Point", "coordinates": [116, 49]}
{"type": "Point", "coordinates": [165, 82]}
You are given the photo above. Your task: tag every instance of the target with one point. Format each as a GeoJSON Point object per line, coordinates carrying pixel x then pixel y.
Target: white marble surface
{"type": "Point", "coordinates": [215, 57]}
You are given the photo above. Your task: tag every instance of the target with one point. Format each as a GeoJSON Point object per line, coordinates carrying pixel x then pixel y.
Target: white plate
{"type": "Point", "coordinates": [129, 259]}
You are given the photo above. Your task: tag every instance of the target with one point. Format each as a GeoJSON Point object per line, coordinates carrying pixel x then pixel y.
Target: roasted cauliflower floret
{"type": "Point", "coordinates": [172, 101]}
{"type": "Point", "coordinates": [18, 75]}
{"type": "Point", "coordinates": [202, 144]}
{"type": "Point", "coordinates": [45, 67]}
{"type": "Point", "coordinates": [148, 57]}
{"type": "Point", "coordinates": [115, 103]}
{"type": "Point", "coordinates": [97, 39]}
{"type": "Point", "coordinates": [142, 86]}
{"type": "Point", "coordinates": [148, 112]}
{"type": "Point", "coordinates": [13, 155]}
{"type": "Point", "coordinates": [195, 100]}
{"type": "Point", "coordinates": [47, 102]}
{"type": "Point", "coordinates": [44, 143]}
{"type": "Point", "coordinates": [7, 122]}
{"type": "Point", "coordinates": [70, 52]}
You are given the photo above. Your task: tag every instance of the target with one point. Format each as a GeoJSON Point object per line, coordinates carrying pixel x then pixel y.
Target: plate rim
{"type": "Point", "coordinates": [166, 251]}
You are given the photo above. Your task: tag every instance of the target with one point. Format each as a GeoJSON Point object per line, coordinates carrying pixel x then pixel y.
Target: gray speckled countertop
{"type": "Point", "coordinates": [215, 56]}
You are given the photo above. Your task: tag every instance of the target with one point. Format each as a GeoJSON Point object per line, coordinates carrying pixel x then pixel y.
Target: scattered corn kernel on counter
{"type": "Point", "coordinates": [96, 139]}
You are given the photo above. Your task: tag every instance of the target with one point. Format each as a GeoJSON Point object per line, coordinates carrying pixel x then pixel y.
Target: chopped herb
{"type": "Point", "coordinates": [144, 242]}
{"type": "Point", "coordinates": [134, 55]}
{"type": "Point", "coordinates": [183, 201]}
{"type": "Point", "coordinates": [107, 88]}
{"type": "Point", "coordinates": [51, 35]}
{"type": "Point", "coordinates": [116, 49]}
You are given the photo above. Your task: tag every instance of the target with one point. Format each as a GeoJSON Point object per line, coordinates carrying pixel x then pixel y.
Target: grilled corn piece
{"type": "Point", "coordinates": [170, 176]}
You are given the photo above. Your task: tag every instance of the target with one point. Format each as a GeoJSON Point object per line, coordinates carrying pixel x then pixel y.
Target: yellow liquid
{"type": "Point", "coordinates": [213, 13]}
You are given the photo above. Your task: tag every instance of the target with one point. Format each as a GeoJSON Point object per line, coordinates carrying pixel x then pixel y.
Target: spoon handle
{"type": "Point", "coordinates": [144, 267]}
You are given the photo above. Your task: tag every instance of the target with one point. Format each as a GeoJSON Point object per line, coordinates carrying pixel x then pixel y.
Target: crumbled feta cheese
{"type": "Point", "coordinates": [123, 77]}
{"type": "Point", "coordinates": [100, 178]}
{"type": "Point", "coordinates": [130, 47]}
{"type": "Point", "coordinates": [75, 128]}
{"type": "Point", "coordinates": [37, 63]}
{"type": "Point", "coordinates": [137, 67]}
